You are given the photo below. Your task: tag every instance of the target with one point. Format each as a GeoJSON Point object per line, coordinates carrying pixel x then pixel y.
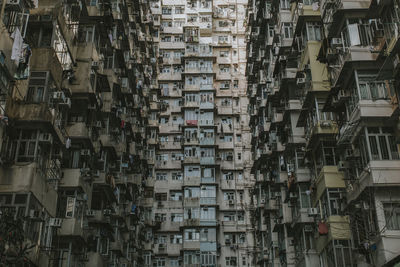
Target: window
{"type": "Point", "coordinates": [372, 89]}
{"type": "Point", "coordinates": [392, 215]}
{"type": "Point", "coordinates": [160, 217]}
{"type": "Point", "coordinates": [176, 217]}
{"type": "Point", "coordinates": [287, 30]}
{"type": "Point", "coordinates": [382, 143]}
{"type": "Point", "coordinates": [192, 257]}
{"type": "Point", "coordinates": [223, 39]}
{"type": "Point", "coordinates": [224, 68]}
{"type": "Point", "coordinates": [313, 31]}
{"type": "Point", "coordinates": [229, 195]}
{"type": "Point", "coordinates": [179, 9]}
{"type": "Point", "coordinates": [159, 262]}
{"type": "Point", "coordinates": [192, 235]}
{"type": "Point", "coordinates": [176, 176]}
{"type": "Point", "coordinates": [284, 4]}
{"type": "Point", "coordinates": [230, 261]}
{"type": "Point", "coordinates": [192, 192]}
{"type": "Point", "coordinates": [225, 85]}
{"type": "Point", "coordinates": [161, 196]}
{"type": "Point", "coordinates": [227, 176]}
{"type": "Point", "coordinates": [176, 239]}
{"type": "Point", "coordinates": [38, 82]}
{"type": "Point", "coordinates": [147, 258]}
{"type": "Point", "coordinates": [161, 176]}
{"type": "Point", "coordinates": [166, 39]}
{"type": "Point", "coordinates": [176, 195]}
{"type": "Point", "coordinates": [166, 11]}
{"type": "Point", "coordinates": [229, 217]}
{"type": "Point", "coordinates": [224, 53]}
{"type": "Point", "coordinates": [175, 262]}
{"type": "Point", "coordinates": [208, 259]}
{"type": "Point", "coordinates": [207, 213]}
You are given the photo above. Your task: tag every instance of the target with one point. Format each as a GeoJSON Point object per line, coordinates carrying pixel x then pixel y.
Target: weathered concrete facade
{"type": "Point", "coordinates": [323, 85]}
{"type": "Point", "coordinates": [75, 81]}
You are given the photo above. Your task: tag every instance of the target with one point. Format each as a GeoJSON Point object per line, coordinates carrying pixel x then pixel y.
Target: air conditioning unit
{"type": "Point", "coordinates": [231, 202]}
{"type": "Point", "coordinates": [59, 95]}
{"type": "Point", "coordinates": [45, 138]}
{"type": "Point", "coordinates": [336, 41]}
{"type": "Point", "coordinates": [325, 124]}
{"type": "Point", "coordinates": [55, 222]}
{"type": "Point", "coordinates": [160, 204]}
{"type": "Point", "coordinates": [312, 212]}
{"type": "Point", "coordinates": [98, 124]}
{"type": "Point", "coordinates": [291, 242]}
{"type": "Point", "coordinates": [162, 246]}
{"type": "Point", "coordinates": [308, 228]}
{"type": "Point", "coordinates": [85, 152]}
{"type": "Point", "coordinates": [95, 65]}
{"type": "Point", "coordinates": [300, 81]}
{"type": "Point", "coordinates": [107, 212]}
{"type": "Point", "coordinates": [90, 213]}
{"type": "Point", "coordinates": [292, 195]}
{"type": "Point", "coordinates": [262, 201]}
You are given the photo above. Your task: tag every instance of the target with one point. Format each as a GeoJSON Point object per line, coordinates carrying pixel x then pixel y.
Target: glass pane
{"type": "Point", "coordinates": [364, 91]}
{"type": "Point", "coordinates": [374, 148]}
{"type": "Point", "coordinates": [393, 148]}
{"type": "Point", "coordinates": [383, 147]}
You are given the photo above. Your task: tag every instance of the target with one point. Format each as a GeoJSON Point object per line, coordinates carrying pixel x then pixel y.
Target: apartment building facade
{"type": "Point", "coordinates": [75, 80]}
{"type": "Point", "coordinates": [324, 92]}
{"type": "Point", "coordinates": [197, 197]}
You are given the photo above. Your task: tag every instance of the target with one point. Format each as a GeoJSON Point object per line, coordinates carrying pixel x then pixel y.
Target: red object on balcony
{"type": "Point", "coordinates": [323, 228]}
{"type": "Point", "coordinates": [191, 122]}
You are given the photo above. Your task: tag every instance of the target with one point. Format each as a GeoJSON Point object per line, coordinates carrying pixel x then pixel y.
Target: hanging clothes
{"type": "Point", "coordinates": [16, 52]}
{"type": "Point", "coordinates": [68, 143]}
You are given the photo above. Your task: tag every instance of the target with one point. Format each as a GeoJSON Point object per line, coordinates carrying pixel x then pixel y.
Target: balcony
{"type": "Point", "coordinates": [116, 246]}
{"type": "Point", "coordinates": [208, 200]}
{"type": "Point", "coordinates": [45, 59]}
{"type": "Point", "coordinates": [206, 105]}
{"type": "Point", "coordinates": [78, 130]}
{"type": "Point", "coordinates": [71, 227]}
{"type": "Point", "coordinates": [225, 110]}
{"type": "Point", "coordinates": [191, 245]}
{"type": "Point", "coordinates": [339, 228]}
{"type": "Point", "coordinates": [207, 87]}
{"type": "Point", "coordinates": [95, 259]}
{"type": "Point", "coordinates": [191, 160]}
{"type": "Point", "coordinates": [372, 109]}
{"type": "Point", "coordinates": [329, 177]}
{"type": "Point", "coordinates": [207, 160]}
{"type": "Point", "coordinates": [104, 179]}
{"type": "Point", "coordinates": [207, 141]}
{"type": "Point", "coordinates": [191, 201]}
{"type": "Point", "coordinates": [29, 178]}
{"type": "Point", "coordinates": [191, 181]}
{"type": "Point", "coordinates": [191, 222]}
{"type": "Point", "coordinates": [97, 217]}
{"type": "Point", "coordinates": [30, 112]}
{"type": "Point", "coordinates": [373, 174]}
{"type": "Point", "coordinates": [72, 178]}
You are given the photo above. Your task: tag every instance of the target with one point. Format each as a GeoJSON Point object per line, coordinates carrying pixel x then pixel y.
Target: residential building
{"type": "Point", "coordinates": [75, 81]}
{"type": "Point", "coordinates": [198, 200]}
{"type": "Point", "coordinates": [323, 91]}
